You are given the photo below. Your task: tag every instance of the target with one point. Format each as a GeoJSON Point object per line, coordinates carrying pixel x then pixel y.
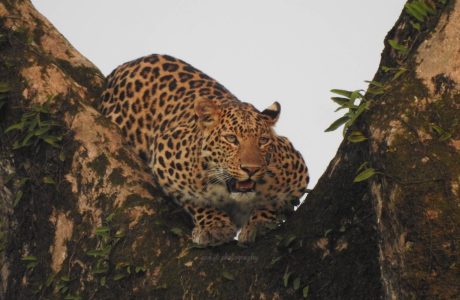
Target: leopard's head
{"type": "Point", "coordinates": [237, 143]}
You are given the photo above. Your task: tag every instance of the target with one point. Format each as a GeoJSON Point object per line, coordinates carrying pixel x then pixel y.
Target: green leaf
{"type": "Point", "coordinates": [17, 126]}
{"type": "Point", "coordinates": [4, 87]}
{"type": "Point", "coordinates": [31, 265]}
{"type": "Point", "coordinates": [340, 100]}
{"type": "Point", "coordinates": [443, 134]}
{"type": "Point", "coordinates": [110, 217]}
{"type": "Point", "coordinates": [286, 277]}
{"type": "Point", "coordinates": [120, 234]}
{"type": "Point", "coordinates": [289, 240]}
{"type": "Point", "coordinates": [48, 180]}
{"type": "Point", "coordinates": [356, 137]}
{"type": "Point", "coordinates": [102, 231]}
{"type": "Point", "coordinates": [419, 9]}
{"type": "Point", "coordinates": [61, 156]}
{"type": "Point", "coordinates": [355, 95]}
{"type": "Point", "coordinates": [437, 128]}
{"type": "Point", "coordinates": [399, 73]}
{"type": "Point", "coordinates": [349, 105]}
{"type": "Point", "coordinates": [26, 140]}
{"type": "Point", "coordinates": [100, 270]}
{"type": "Point", "coordinates": [374, 83]}
{"type": "Point", "coordinates": [119, 277]}
{"type": "Point", "coordinates": [50, 123]}
{"type": "Point", "coordinates": [29, 258]}
{"type": "Point", "coordinates": [415, 25]}
{"type": "Point", "coordinates": [42, 130]}
{"type": "Point", "coordinates": [414, 13]}
{"type": "Point", "coordinates": [33, 123]}
{"type": "Point", "coordinates": [227, 275]}
{"type": "Point", "coordinates": [344, 93]}
{"type": "Point", "coordinates": [340, 108]}
{"type": "Point", "coordinates": [21, 182]}
{"type": "Point", "coordinates": [362, 166]}
{"type": "Point", "coordinates": [177, 231]}
{"type": "Point", "coordinates": [366, 174]}
{"type": "Point", "coordinates": [17, 145]}
{"type": "Point", "coordinates": [120, 265]}
{"type": "Point", "coordinates": [29, 115]}
{"type": "Point", "coordinates": [65, 278]}
{"type": "Point", "coordinates": [337, 123]}
{"type": "Point", "coordinates": [50, 279]}
{"type": "Point", "coordinates": [64, 289]}
{"type": "Point", "coordinates": [375, 91]}
{"type": "Point", "coordinates": [395, 45]}
{"type": "Point", "coordinates": [52, 140]}
{"type": "Point", "coordinates": [387, 69]}
{"type": "Point", "coordinates": [275, 260]}
{"type": "Point", "coordinates": [296, 283]}
{"type": "Point", "coordinates": [361, 108]}
{"type": "Point", "coordinates": [427, 7]}
{"type": "Point", "coordinates": [305, 291]}
{"type": "Point", "coordinates": [18, 197]}
{"type": "Point", "coordinates": [95, 253]}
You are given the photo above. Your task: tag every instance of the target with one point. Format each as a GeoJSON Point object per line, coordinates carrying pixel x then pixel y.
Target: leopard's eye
{"type": "Point", "coordinates": [231, 138]}
{"type": "Point", "coordinates": [263, 140]}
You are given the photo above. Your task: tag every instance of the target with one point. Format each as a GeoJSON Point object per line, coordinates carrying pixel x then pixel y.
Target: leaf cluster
{"type": "Point", "coordinates": [37, 125]}
{"type": "Point", "coordinates": [364, 172]}
{"type": "Point", "coordinates": [351, 101]}
{"type": "Point", "coordinates": [420, 11]}
{"type": "Point", "coordinates": [295, 281]}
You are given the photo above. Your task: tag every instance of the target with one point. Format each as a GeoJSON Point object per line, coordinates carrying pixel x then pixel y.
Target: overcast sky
{"type": "Point", "coordinates": [291, 51]}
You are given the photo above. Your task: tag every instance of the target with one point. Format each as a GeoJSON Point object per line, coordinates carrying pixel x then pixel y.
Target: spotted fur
{"type": "Point", "coordinates": [216, 156]}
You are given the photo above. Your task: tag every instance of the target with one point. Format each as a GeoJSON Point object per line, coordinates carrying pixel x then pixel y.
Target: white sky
{"type": "Point", "coordinates": [291, 51]}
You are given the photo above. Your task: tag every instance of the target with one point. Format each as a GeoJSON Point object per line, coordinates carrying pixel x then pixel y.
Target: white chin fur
{"type": "Point", "coordinates": [242, 197]}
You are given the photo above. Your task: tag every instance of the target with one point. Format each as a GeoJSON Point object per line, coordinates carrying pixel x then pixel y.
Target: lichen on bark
{"type": "Point", "coordinates": [40, 66]}
{"type": "Point", "coordinates": [412, 127]}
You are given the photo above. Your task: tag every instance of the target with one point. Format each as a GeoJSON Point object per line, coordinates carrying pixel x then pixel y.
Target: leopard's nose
{"type": "Point", "coordinates": [250, 169]}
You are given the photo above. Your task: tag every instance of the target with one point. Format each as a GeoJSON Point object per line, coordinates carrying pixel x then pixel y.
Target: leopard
{"type": "Point", "coordinates": [217, 157]}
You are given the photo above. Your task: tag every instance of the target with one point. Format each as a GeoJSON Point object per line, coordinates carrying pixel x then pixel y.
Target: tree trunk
{"type": "Point", "coordinates": [81, 217]}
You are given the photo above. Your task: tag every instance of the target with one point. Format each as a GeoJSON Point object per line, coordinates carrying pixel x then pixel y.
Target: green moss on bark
{"type": "Point", "coordinates": [418, 164]}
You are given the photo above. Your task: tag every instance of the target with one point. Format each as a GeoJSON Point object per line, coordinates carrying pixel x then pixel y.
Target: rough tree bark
{"type": "Point", "coordinates": [80, 217]}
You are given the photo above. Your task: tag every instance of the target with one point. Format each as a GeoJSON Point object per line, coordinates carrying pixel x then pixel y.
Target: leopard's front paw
{"type": "Point", "coordinates": [251, 230]}
{"type": "Point", "coordinates": [215, 233]}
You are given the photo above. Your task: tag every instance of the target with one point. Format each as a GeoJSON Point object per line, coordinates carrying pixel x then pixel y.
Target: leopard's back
{"type": "Point", "coordinates": [152, 94]}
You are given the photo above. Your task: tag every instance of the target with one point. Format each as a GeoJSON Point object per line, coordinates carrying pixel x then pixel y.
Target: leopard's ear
{"type": "Point", "coordinates": [272, 113]}
{"type": "Point", "coordinates": [208, 112]}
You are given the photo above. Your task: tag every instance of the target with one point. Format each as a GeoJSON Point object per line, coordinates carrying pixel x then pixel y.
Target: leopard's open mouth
{"type": "Point", "coordinates": [244, 186]}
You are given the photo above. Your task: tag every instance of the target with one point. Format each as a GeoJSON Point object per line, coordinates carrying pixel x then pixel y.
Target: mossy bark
{"type": "Point", "coordinates": [101, 228]}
